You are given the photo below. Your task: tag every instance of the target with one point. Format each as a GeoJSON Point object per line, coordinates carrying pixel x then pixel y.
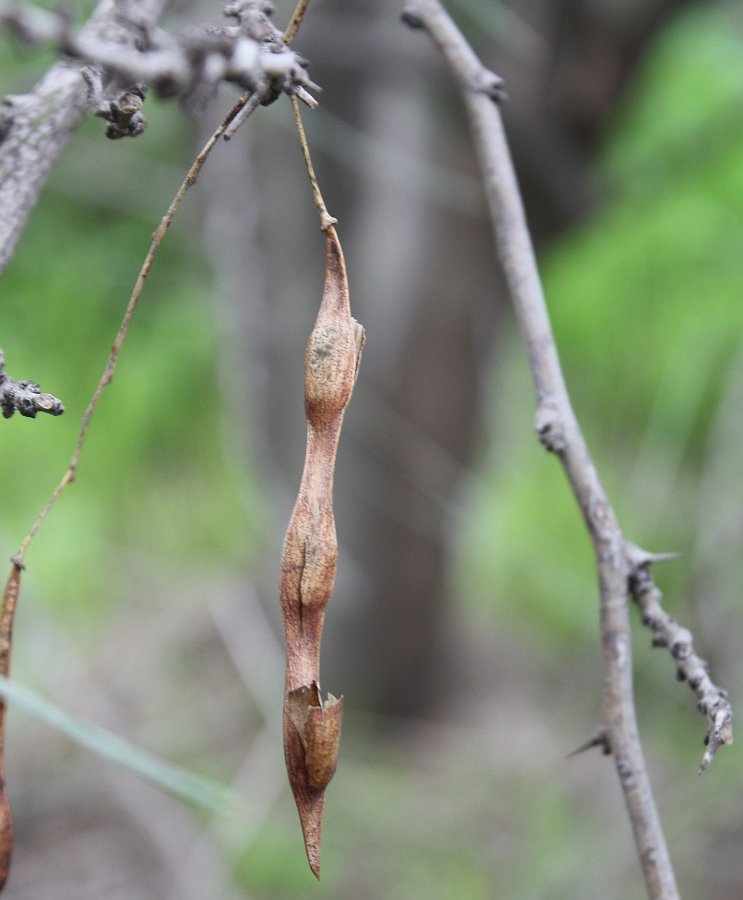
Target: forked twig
{"type": "Point", "coordinates": [297, 91]}
{"type": "Point", "coordinates": [622, 568]}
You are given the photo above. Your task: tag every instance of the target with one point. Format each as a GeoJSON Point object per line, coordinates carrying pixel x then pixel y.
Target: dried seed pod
{"type": "Point", "coordinates": [312, 726]}
{"type": "Point", "coordinates": [7, 614]}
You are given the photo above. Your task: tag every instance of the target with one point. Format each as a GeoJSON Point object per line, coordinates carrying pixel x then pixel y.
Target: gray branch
{"type": "Point", "coordinates": [250, 54]}
{"type": "Point", "coordinates": [35, 127]}
{"type": "Point", "coordinates": [122, 50]}
{"type": "Point", "coordinates": [25, 397]}
{"type": "Point", "coordinates": [622, 568]}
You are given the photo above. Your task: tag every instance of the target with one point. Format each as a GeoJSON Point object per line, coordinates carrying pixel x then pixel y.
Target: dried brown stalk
{"type": "Point", "coordinates": [296, 20]}
{"type": "Point", "coordinates": [312, 725]}
{"type": "Point", "coordinates": [326, 220]}
{"type": "Point", "coordinates": [10, 599]}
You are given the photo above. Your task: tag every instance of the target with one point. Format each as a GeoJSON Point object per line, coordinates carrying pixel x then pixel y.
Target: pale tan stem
{"type": "Point", "coordinates": [326, 220]}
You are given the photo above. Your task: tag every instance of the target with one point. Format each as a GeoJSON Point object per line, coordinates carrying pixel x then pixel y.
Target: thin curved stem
{"type": "Point", "coordinates": [326, 220]}
{"type": "Point", "coordinates": [296, 20]}
{"type": "Point", "coordinates": [108, 372]}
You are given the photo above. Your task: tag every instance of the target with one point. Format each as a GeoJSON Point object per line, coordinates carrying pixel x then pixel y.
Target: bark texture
{"type": "Point", "coordinates": [35, 127]}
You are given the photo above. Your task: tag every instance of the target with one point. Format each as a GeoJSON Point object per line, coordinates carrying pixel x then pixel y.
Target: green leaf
{"type": "Point", "coordinates": [173, 779]}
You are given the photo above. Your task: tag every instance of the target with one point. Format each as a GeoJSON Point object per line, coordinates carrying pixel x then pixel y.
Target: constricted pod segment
{"type": "Point", "coordinates": [312, 726]}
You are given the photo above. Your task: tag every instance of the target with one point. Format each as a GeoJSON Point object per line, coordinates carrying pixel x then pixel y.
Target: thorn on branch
{"type": "Point", "coordinates": [548, 426]}
{"type": "Point", "coordinates": [306, 97]}
{"type": "Point", "coordinates": [599, 739]}
{"type": "Point", "coordinates": [638, 558]}
{"type": "Point", "coordinates": [483, 81]}
{"type": "Point", "coordinates": [25, 397]}
{"type": "Point", "coordinates": [410, 18]}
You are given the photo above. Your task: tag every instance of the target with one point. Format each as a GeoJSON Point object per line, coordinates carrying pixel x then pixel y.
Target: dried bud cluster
{"type": "Point", "coordinates": [312, 725]}
{"type": "Point", "coordinates": [25, 397]}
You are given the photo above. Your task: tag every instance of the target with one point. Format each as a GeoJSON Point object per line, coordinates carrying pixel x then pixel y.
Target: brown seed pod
{"type": "Point", "coordinates": [7, 614]}
{"type": "Point", "coordinates": [312, 726]}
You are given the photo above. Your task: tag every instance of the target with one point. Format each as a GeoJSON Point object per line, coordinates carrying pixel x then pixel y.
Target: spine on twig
{"type": "Point", "coordinates": [312, 725]}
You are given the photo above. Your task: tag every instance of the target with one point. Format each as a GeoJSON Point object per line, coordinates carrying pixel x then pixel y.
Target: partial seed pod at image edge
{"type": "Point", "coordinates": [7, 614]}
{"type": "Point", "coordinates": [312, 726]}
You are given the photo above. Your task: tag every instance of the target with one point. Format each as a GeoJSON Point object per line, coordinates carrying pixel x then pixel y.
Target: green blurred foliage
{"type": "Point", "coordinates": [645, 300]}
{"type": "Point", "coordinates": [154, 478]}
{"type": "Point", "coordinates": [646, 305]}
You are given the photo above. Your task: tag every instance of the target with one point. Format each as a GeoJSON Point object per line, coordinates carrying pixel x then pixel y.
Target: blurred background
{"type": "Point", "coordinates": [463, 630]}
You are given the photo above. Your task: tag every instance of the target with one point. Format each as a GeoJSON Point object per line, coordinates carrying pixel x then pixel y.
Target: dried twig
{"type": "Point", "coordinates": [250, 54]}
{"type": "Point", "coordinates": [122, 48]}
{"type": "Point", "coordinates": [35, 127]}
{"type": "Point", "coordinates": [7, 615]}
{"type": "Point", "coordinates": [290, 32]}
{"type": "Point", "coordinates": [326, 220]}
{"type": "Point", "coordinates": [25, 397]}
{"type": "Point", "coordinates": [622, 568]}
{"type": "Point", "coordinates": [308, 561]}
{"type": "Point", "coordinates": [712, 701]}
{"type": "Point", "coordinates": [263, 93]}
